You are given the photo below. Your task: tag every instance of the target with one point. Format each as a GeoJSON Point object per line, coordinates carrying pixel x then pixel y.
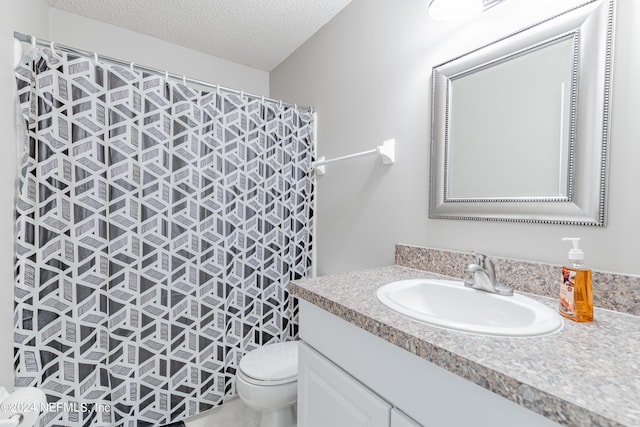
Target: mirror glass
{"type": "Point", "coordinates": [512, 120]}
{"type": "Point", "coordinates": [519, 127]}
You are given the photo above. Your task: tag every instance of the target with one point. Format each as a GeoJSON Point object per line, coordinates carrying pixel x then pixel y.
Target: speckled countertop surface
{"type": "Point", "coordinates": [588, 374]}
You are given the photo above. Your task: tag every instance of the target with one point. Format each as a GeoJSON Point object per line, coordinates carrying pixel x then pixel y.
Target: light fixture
{"type": "Point", "coordinates": [451, 9]}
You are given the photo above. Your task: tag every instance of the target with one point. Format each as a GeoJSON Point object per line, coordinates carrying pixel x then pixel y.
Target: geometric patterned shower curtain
{"type": "Point", "coordinates": [157, 228]}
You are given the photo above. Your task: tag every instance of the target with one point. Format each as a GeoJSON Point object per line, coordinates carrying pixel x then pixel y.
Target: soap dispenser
{"type": "Point", "coordinates": [576, 294]}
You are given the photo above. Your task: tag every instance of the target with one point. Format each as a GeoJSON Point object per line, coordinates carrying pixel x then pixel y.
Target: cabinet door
{"type": "Point", "coordinates": [327, 396]}
{"type": "Point", "coordinates": [400, 419]}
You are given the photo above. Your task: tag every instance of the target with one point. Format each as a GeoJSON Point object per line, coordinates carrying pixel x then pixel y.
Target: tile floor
{"type": "Point", "coordinates": [233, 413]}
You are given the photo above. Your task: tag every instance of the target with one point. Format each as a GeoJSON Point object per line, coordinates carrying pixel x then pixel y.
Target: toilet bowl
{"type": "Point", "coordinates": [267, 381]}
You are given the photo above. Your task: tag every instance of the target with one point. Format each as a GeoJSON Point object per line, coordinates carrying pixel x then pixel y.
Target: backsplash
{"type": "Point", "coordinates": [617, 292]}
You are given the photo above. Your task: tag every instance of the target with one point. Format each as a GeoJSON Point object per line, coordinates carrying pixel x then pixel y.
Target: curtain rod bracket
{"type": "Point", "coordinates": [387, 152]}
{"type": "Point", "coordinates": [320, 170]}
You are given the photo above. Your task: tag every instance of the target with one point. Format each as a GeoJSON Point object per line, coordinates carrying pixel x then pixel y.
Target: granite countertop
{"type": "Point", "coordinates": [588, 374]}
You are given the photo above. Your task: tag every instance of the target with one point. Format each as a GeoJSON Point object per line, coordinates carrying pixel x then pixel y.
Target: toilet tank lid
{"type": "Point", "coordinates": [271, 362]}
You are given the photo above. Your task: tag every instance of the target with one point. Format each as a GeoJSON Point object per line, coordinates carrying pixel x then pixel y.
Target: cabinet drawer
{"type": "Point", "coordinates": [327, 396]}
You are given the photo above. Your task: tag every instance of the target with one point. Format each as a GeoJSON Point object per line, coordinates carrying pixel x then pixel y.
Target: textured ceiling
{"type": "Point", "coordinates": [258, 33]}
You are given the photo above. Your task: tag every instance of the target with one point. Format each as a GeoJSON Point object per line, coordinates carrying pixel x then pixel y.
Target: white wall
{"type": "Point", "coordinates": [368, 71]}
{"type": "Point", "coordinates": [105, 39]}
{"type": "Point", "coordinates": [27, 16]}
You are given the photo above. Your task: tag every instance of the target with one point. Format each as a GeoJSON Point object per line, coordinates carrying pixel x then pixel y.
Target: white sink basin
{"type": "Point", "coordinates": [450, 304]}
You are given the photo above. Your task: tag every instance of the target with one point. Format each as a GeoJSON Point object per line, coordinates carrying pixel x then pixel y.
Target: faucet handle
{"type": "Point", "coordinates": [486, 263]}
{"type": "Point", "coordinates": [480, 258]}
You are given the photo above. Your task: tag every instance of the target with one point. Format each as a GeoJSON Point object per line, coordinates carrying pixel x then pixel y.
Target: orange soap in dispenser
{"type": "Point", "coordinates": [576, 295]}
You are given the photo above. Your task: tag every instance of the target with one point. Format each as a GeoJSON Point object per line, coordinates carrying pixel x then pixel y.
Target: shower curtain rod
{"type": "Point", "coordinates": [88, 54]}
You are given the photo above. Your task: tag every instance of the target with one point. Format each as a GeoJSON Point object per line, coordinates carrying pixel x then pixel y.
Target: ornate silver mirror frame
{"type": "Point", "coordinates": [586, 32]}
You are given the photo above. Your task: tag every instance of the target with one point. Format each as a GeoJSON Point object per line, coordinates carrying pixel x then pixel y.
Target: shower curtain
{"type": "Point", "coordinates": [157, 228]}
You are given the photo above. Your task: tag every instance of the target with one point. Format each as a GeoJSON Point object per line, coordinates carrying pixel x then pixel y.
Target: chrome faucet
{"type": "Point", "coordinates": [484, 276]}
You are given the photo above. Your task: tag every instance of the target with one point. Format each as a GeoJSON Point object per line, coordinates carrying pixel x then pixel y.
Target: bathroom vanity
{"type": "Point", "coordinates": [358, 379]}
{"type": "Point", "coordinates": [364, 364]}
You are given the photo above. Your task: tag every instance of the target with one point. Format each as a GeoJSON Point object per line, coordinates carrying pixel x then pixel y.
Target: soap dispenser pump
{"type": "Point", "coordinates": [576, 294]}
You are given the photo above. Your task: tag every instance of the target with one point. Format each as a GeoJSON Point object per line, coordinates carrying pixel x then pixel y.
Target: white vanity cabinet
{"type": "Point", "coordinates": [399, 419]}
{"type": "Point", "coordinates": [328, 396]}
{"type": "Point", "coordinates": [350, 377]}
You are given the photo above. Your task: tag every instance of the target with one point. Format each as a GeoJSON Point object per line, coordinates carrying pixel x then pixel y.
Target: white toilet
{"type": "Point", "coordinates": [267, 381]}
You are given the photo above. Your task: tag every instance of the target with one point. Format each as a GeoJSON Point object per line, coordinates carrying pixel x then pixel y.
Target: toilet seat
{"type": "Point", "coordinates": [272, 364]}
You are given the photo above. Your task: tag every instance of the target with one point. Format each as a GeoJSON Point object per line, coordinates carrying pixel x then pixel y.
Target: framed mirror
{"type": "Point", "coordinates": [520, 127]}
